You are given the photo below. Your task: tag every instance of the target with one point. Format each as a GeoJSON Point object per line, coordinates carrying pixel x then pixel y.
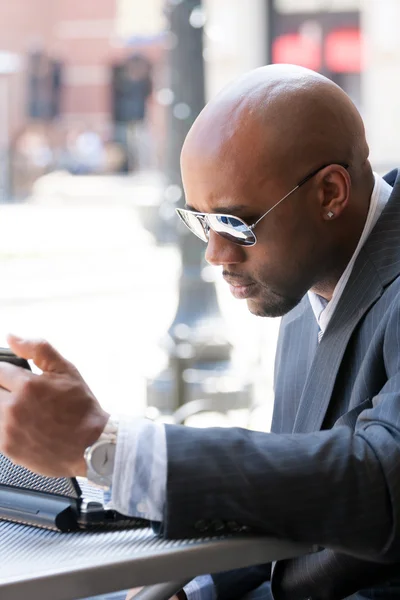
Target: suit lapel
{"type": "Point", "coordinates": [357, 298]}
{"type": "Point", "coordinates": [297, 345]}
{"type": "Point", "coordinates": [377, 264]}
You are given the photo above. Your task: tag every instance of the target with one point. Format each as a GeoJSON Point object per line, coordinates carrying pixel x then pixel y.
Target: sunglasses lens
{"type": "Point", "coordinates": [192, 222]}
{"type": "Point", "coordinates": [232, 229]}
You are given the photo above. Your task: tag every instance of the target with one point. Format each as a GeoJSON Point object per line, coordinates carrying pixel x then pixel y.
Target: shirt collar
{"type": "Point", "coordinates": [323, 310]}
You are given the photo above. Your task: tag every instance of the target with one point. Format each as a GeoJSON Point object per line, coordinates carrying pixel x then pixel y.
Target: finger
{"type": "Point", "coordinates": [43, 354]}
{"type": "Point", "coordinates": [11, 378]}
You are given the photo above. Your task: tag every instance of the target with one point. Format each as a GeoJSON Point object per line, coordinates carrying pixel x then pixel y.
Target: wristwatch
{"type": "Point", "coordinates": [100, 456]}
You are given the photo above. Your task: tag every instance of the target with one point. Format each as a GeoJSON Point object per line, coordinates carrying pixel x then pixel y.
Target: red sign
{"type": "Point", "coordinates": [343, 51]}
{"type": "Point", "coordinates": [297, 49]}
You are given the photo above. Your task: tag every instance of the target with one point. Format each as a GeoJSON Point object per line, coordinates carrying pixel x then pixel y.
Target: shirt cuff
{"type": "Point", "coordinates": [140, 470]}
{"type": "Point", "coordinates": [200, 588]}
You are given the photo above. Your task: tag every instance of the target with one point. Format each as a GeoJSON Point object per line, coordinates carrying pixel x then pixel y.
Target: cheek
{"type": "Point", "coordinates": [297, 239]}
{"type": "Point", "coordinates": [282, 264]}
{"type": "Point", "coordinates": [272, 255]}
{"type": "Point", "coordinates": [286, 249]}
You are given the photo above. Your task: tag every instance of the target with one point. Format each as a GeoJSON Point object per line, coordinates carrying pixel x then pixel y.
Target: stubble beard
{"type": "Point", "coordinates": [273, 306]}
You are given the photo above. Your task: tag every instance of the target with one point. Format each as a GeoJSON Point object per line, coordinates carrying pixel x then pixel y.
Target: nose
{"type": "Point", "coordinates": [223, 252]}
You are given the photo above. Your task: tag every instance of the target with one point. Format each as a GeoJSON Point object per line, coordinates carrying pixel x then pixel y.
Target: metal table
{"type": "Point", "coordinates": [46, 565]}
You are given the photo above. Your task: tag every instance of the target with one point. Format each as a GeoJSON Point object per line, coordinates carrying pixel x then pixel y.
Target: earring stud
{"type": "Point", "coordinates": [330, 214]}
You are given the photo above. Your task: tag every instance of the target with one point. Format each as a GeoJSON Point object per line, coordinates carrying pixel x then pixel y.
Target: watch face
{"type": "Point", "coordinates": [102, 458]}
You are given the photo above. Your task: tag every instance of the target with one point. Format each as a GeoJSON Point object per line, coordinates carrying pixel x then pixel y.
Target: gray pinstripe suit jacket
{"type": "Point", "coordinates": [329, 474]}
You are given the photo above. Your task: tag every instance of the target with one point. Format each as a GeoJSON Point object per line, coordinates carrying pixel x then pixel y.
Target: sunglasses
{"type": "Point", "coordinates": [229, 227]}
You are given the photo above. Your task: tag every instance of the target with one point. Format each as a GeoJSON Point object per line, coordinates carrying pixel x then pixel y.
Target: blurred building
{"type": "Point", "coordinates": [235, 41]}
{"type": "Point", "coordinates": [82, 38]}
{"type": "Point", "coordinates": [71, 57]}
{"type": "Point", "coordinates": [353, 42]}
{"type": "Point", "coordinates": [83, 41]}
{"type": "Point", "coordinates": [319, 34]}
{"type": "Point", "coordinates": [323, 36]}
{"type": "Point", "coordinates": [380, 81]}
{"type": "Point", "coordinates": [67, 52]}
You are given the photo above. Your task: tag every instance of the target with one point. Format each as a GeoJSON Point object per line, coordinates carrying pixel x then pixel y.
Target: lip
{"type": "Point", "coordinates": [241, 291]}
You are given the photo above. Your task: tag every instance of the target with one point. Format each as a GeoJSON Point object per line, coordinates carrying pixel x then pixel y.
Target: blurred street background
{"type": "Point", "coordinates": [95, 100]}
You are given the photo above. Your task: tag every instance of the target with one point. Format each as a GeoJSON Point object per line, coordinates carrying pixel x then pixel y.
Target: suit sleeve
{"type": "Point", "coordinates": [338, 488]}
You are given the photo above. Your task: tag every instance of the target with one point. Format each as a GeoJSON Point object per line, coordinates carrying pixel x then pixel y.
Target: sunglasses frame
{"type": "Point", "coordinates": [206, 226]}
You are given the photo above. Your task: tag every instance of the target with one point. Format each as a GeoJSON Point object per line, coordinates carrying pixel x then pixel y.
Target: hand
{"type": "Point", "coordinates": [48, 420]}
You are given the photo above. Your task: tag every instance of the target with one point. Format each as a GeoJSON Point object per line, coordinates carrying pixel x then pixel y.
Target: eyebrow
{"type": "Point", "coordinates": [227, 210]}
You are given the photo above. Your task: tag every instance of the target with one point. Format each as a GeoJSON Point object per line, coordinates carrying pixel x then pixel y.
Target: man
{"type": "Point", "coordinates": [278, 183]}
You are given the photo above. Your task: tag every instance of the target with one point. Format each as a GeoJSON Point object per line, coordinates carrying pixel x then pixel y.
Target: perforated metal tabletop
{"type": "Point", "coordinates": [47, 565]}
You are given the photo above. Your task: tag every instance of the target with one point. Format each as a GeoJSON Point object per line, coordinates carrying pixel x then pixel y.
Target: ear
{"type": "Point", "coordinates": [334, 191]}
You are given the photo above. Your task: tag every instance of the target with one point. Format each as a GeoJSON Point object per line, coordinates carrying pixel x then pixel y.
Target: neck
{"type": "Point", "coordinates": [326, 287]}
{"type": "Point", "coordinates": [343, 253]}
{"type": "Point", "coordinates": [345, 246]}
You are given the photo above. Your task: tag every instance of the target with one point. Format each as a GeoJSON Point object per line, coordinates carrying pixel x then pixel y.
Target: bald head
{"type": "Point", "coordinates": [249, 149]}
{"type": "Point", "coordinates": [280, 117]}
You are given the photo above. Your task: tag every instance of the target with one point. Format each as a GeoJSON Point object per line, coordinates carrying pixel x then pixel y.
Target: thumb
{"type": "Point", "coordinates": [43, 354]}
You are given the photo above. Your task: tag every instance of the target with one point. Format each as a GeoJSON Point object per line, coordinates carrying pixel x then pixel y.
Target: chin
{"type": "Point", "coordinates": [278, 306]}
